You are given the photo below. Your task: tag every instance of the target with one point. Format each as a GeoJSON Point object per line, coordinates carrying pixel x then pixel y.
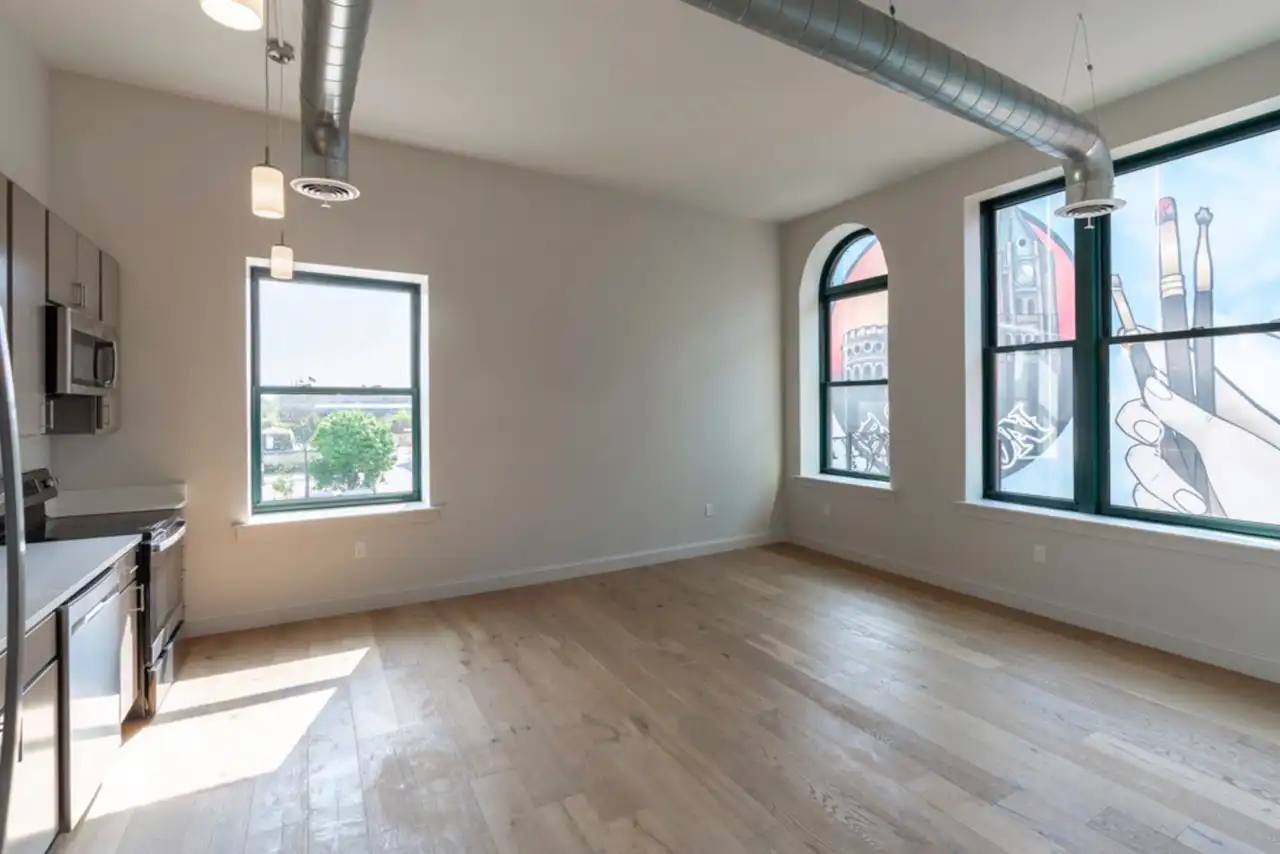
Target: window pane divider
{"type": "Point", "coordinates": [368, 391]}
{"type": "Point", "coordinates": [1033, 346]}
{"type": "Point", "coordinates": [1270, 328]}
{"type": "Point", "coordinates": [865, 286]}
{"type": "Point", "coordinates": [856, 383]}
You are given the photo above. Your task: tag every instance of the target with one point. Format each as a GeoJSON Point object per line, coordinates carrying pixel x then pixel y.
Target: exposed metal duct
{"type": "Point", "coordinates": [868, 42]}
{"type": "Point", "coordinates": [333, 34]}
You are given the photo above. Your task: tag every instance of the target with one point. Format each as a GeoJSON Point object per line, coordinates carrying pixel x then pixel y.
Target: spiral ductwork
{"type": "Point", "coordinates": [333, 36]}
{"type": "Point", "coordinates": [865, 41]}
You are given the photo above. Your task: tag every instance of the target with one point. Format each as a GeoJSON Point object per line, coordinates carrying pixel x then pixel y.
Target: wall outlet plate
{"type": "Point", "coordinates": [361, 551]}
{"type": "Point", "coordinates": [710, 510]}
{"type": "Point", "coordinates": [1039, 554]}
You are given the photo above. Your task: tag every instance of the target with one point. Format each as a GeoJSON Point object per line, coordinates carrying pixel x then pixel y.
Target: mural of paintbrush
{"type": "Point", "coordinates": [1176, 450]}
{"type": "Point", "coordinates": [1203, 313]}
{"type": "Point", "coordinates": [1138, 355]}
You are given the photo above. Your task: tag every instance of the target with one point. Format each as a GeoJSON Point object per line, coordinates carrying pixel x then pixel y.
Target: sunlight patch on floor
{"type": "Point", "coordinates": [221, 728]}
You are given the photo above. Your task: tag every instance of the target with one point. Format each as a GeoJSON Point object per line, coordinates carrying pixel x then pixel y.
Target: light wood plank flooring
{"type": "Point", "coordinates": [771, 700]}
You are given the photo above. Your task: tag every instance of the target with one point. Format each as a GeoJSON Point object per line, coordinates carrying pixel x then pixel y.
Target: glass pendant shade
{"type": "Point", "coordinates": [268, 192]}
{"type": "Point", "coordinates": [281, 261]}
{"type": "Point", "coordinates": [243, 15]}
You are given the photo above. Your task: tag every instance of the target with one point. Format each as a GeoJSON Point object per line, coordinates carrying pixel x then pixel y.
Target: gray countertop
{"type": "Point", "coordinates": [56, 572]}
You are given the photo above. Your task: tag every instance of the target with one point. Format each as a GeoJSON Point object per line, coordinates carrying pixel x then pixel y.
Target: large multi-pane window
{"type": "Point", "coordinates": [1132, 362]}
{"type": "Point", "coordinates": [855, 359]}
{"type": "Point", "coordinates": [336, 391]}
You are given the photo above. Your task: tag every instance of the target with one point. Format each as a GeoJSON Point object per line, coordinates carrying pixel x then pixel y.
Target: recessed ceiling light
{"type": "Point", "coordinates": [243, 15]}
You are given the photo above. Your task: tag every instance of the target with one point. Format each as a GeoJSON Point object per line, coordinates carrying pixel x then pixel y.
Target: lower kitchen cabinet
{"type": "Point", "coordinates": [92, 647]}
{"type": "Point", "coordinates": [33, 809]}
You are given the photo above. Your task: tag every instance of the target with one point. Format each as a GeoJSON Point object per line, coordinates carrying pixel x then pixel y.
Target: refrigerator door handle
{"type": "Point", "coordinates": [15, 557]}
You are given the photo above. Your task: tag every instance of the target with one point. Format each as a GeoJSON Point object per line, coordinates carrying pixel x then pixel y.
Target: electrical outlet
{"type": "Point", "coordinates": [361, 551]}
{"type": "Point", "coordinates": [1039, 554]}
{"type": "Point", "coordinates": [710, 510]}
{"type": "Point", "coordinates": [826, 509]}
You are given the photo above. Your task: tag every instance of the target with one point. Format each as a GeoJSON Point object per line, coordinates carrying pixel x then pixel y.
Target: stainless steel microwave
{"type": "Point", "coordinates": [82, 356]}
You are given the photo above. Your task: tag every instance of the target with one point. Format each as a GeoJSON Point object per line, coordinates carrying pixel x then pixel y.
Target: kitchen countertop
{"type": "Point", "coordinates": [57, 571]}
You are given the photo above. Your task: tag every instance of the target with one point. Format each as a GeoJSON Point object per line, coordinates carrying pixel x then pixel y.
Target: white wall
{"type": "Point", "coordinates": [601, 365]}
{"type": "Point", "coordinates": [24, 149]}
{"type": "Point", "coordinates": [1183, 592]}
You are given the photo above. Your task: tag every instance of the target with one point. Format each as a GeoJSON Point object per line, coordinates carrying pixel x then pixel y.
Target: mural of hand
{"type": "Point", "coordinates": [1243, 468]}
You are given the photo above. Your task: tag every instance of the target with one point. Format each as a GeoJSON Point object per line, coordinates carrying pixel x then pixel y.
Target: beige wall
{"type": "Point", "coordinates": [1183, 592]}
{"type": "Point", "coordinates": [24, 100]}
{"type": "Point", "coordinates": [601, 365]}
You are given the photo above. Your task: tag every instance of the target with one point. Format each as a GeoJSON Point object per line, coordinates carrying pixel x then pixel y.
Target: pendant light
{"type": "Point", "coordinates": [266, 181]}
{"type": "Point", "coordinates": [281, 260]}
{"type": "Point", "coordinates": [243, 15]}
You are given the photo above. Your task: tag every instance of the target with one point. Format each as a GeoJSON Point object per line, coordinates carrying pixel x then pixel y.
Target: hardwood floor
{"type": "Point", "coordinates": [771, 700]}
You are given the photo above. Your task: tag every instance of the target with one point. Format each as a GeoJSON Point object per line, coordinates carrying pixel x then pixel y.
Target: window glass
{"type": "Point", "coordinates": [334, 336]}
{"type": "Point", "coordinates": [1208, 449]}
{"type": "Point", "coordinates": [861, 259]}
{"type": "Point", "coordinates": [1195, 244]}
{"type": "Point", "coordinates": [1035, 273]}
{"type": "Point", "coordinates": [859, 429]}
{"type": "Point", "coordinates": [1034, 434]}
{"type": "Point", "coordinates": [335, 446]}
{"type": "Point", "coordinates": [859, 337]}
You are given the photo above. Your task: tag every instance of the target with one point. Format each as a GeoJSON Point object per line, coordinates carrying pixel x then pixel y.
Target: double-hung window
{"type": "Point", "coordinates": [854, 359]}
{"type": "Point", "coordinates": [1132, 363]}
{"type": "Point", "coordinates": [336, 403]}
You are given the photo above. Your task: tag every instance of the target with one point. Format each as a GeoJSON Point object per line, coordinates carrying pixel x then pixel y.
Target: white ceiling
{"type": "Point", "coordinates": [653, 95]}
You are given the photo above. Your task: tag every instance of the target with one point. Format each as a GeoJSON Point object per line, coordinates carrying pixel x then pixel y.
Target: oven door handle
{"type": "Point", "coordinates": [171, 540]}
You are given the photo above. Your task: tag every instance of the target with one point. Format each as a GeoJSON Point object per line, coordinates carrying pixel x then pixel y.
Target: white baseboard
{"type": "Point", "coordinates": [1241, 662]}
{"type": "Point", "coordinates": [467, 587]}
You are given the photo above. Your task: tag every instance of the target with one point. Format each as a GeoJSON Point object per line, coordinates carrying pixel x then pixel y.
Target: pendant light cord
{"type": "Point", "coordinates": [266, 79]}
{"type": "Point", "coordinates": [280, 87]}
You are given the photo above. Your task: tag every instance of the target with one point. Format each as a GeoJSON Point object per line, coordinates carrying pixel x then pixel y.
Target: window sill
{"type": "Point", "coordinates": [1212, 544]}
{"type": "Point", "coordinates": [324, 520]}
{"type": "Point", "coordinates": [877, 489]}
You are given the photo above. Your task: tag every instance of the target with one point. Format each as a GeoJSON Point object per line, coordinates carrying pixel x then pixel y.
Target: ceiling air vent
{"type": "Point", "coordinates": [325, 189]}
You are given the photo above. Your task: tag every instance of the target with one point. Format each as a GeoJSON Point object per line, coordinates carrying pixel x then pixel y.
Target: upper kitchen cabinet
{"type": "Point", "coordinates": [62, 262]}
{"type": "Point", "coordinates": [27, 285]}
{"type": "Point", "coordinates": [89, 274]}
{"type": "Point", "coordinates": [74, 274]}
{"type": "Point", "coordinates": [110, 296]}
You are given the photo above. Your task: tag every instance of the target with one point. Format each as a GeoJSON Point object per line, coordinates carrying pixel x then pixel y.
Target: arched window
{"type": "Point", "coordinates": [854, 359]}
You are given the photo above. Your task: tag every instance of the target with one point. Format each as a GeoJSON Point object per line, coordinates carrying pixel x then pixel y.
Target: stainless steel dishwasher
{"type": "Point", "coordinates": [95, 623]}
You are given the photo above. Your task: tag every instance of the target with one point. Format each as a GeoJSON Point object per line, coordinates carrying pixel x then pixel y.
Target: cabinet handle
{"type": "Point", "coordinates": [92, 615]}
{"type": "Point", "coordinates": [48, 416]}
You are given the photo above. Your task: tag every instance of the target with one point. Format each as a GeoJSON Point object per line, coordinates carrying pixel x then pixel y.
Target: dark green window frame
{"type": "Point", "coordinates": [1092, 346]}
{"type": "Point", "coordinates": [827, 297]}
{"type": "Point", "coordinates": [257, 390]}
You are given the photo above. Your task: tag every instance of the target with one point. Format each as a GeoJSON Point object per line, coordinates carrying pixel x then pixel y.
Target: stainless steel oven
{"type": "Point", "coordinates": [82, 356]}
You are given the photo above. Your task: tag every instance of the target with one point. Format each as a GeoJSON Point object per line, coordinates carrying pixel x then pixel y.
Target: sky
{"type": "Point", "coordinates": [340, 336]}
